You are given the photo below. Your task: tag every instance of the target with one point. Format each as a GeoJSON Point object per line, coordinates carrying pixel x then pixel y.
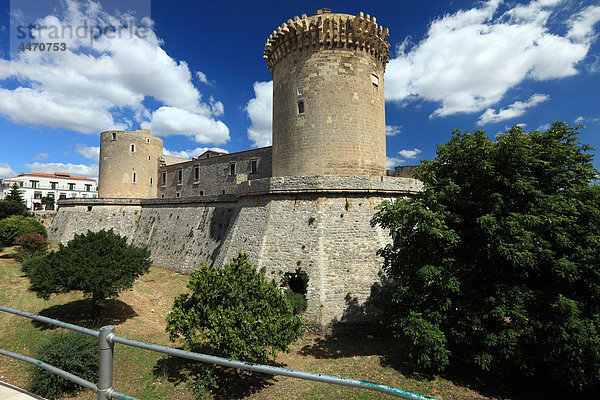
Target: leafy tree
{"type": "Point", "coordinates": [235, 312]}
{"type": "Point", "coordinates": [14, 194]}
{"type": "Point", "coordinates": [101, 264]}
{"type": "Point", "coordinates": [11, 207]}
{"type": "Point", "coordinates": [48, 201]}
{"type": "Point", "coordinates": [16, 225]}
{"type": "Point", "coordinates": [70, 351]}
{"type": "Point", "coordinates": [496, 263]}
{"type": "Point", "coordinates": [31, 245]}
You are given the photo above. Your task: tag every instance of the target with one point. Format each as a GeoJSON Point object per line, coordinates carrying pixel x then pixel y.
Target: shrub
{"type": "Point", "coordinates": [235, 312]}
{"type": "Point", "coordinates": [101, 264]}
{"type": "Point", "coordinates": [16, 225]}
{"type": "Point", "coordinates": [72, 352]}
{"type": "Point", "coordinates": [11, 207]}
{"type": "Point", "coordinates": [31, 245]}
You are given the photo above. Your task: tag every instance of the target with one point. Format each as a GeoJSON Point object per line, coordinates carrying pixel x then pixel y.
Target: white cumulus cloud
{"type": "Point", "coordinates": [90, 86]}
{"type": "Point", "coordinates": [260, 112]}
{"type": "Point", "coordinates": [514, 110]}
{"type": "Point", "coordinates": [90, 171]}
{"type": "Point", "coordinates": [6, 171]}
{"type": "Point", "coordinates": [91, 152]}
{"type": "Point", "coordinates": [168, 121]}
{"type": "Point", "coordinates": [392, 130]}
{"type": "Point", "coordinates": [193, 152]}
{"type": "Point", "coordinates": [409, 153]}
{"type": "Point", "coordinates": [469, 60]}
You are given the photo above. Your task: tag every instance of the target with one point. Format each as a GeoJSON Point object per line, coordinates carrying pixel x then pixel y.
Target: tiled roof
{"type": "Point", "coordinates": [58, 175]}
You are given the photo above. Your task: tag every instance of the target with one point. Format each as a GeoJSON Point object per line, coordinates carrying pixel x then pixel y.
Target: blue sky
{"type": "Point", "coordinates": [194, 74]}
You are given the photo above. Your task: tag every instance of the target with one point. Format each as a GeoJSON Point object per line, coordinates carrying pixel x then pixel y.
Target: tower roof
{"type": "Point", "coordinates": [327, 30]}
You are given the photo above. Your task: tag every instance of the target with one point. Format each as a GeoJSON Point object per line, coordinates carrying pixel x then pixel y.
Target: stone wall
{"type": "Point", "coordinates": [319, 224]}
{"type": "Point", "coordinates": [214, 173]}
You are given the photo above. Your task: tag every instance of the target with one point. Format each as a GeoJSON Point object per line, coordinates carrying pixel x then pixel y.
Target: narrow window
{"type": "Point", "coordinates": [133, 148]}
{"type": "Point", "coordinates": [375, 80]}
{"type": "Point", "coordinates": [148, 158]}
{"type": "Point", "coordinates": [196, 173]}
{"type": "Point", "coordinates": [300, 107]}
{"type": "Point", "coordinates": [114, 136]}
{"type": "Point", "coordinates": [180, 175]}
{"type": "Point", "coordinates": [150, 181]}
{"type": "Point", "coordinates": [71, 186]}
{"type": "Point", "coordinates": [162, 196]}
{"type": "Point", "coordinates": [164, 178]}
{"type": "Point", "coordinates": [147, 140]}
{"type": "Point", "coordinates": [300, 91]}
{"type": "Point", "coordinates": [21, 184]}
{"type": "Point", "coordinates": [223, 191]}
{"type": "Point", "coordinates": [253, 166]}
{"type": "Point", "coordinates": [178, 194]}
{"type": "Point", "coordinates": [134, 177]}
{"type": "Point", "coordinates": [202, 193]}
{"type": "Point", "coordinates": [232, 169]}
{"type": "Point", "coordinates": [90, 208]}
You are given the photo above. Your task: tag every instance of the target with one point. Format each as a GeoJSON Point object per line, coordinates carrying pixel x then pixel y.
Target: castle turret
{"type": "Point", "coordinates": [328, 101]}
{"type": "Point", "coordinates": [129, 164]}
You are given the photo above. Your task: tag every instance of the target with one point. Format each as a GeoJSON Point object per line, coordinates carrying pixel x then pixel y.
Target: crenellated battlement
{"type": "Point", "coordinates": [326, 30]}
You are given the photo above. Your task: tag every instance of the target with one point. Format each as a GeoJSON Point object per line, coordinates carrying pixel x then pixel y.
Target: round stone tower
{"type": "Point", "coordinates": [129, 164]}
{"type": "Point", "coordinates": [328, 102]}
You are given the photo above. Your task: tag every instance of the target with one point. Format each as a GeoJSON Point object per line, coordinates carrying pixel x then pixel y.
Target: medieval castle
{"type": "Point", "coordinates": [305, 202]}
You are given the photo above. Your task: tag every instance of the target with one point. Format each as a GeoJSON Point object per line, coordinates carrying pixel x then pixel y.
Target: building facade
{"type": "Point", "coordinates": [33, 186]}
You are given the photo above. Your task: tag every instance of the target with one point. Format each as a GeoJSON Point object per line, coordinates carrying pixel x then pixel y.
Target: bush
{"type": "Point", "coordinates": [31, 245]}
{"type": "Point", "coordinates": [72, 352]}
{"type": "Point", "coordinates": [16, 225]}
{"type": "Point", "coordinates": [101, 264]}
{"type": "Point", "coordinates": [235, 312]}
{"type": "Point", "coordinates": [11, 207]}
{"type": "Point", "coordinates": [495, 264]}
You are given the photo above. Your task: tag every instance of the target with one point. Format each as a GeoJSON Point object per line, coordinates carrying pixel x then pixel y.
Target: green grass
{"type": "Point", "coordinates": [135, 375]}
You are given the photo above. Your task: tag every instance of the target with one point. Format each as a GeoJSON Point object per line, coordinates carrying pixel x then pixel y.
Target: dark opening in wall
{"type": "Point", "coordinates": [297, 286]}
{"type": "Point", "coordinates": [300, 107]}
{"type": "Point", "coordinates": [114, 136]}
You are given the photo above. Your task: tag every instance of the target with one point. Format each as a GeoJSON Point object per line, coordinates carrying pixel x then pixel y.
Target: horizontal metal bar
{"type": "Point", "coordinates": [51, 368]}
{"type": "Point", "coordinates": [266, 369]}
{"type": "Point", "coordinates": [50, 321]}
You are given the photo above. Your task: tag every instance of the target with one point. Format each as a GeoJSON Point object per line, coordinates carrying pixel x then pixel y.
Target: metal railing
{"type": "Point", "coordinates": [107, 338]}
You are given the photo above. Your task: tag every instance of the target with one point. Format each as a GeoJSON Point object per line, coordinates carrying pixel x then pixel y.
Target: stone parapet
{"type": "Point", "coordinates": [328, 30]}
{"type": "Point", "coordinates": [331, 184]}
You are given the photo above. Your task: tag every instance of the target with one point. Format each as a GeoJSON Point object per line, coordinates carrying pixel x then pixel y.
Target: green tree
{"type": "Point", "coordinates": [16, 225]}
{"type": "Point", "coordinates": [48, 201]}
{"type": "Point", "coordinates": [495, 263]}
{"type": "Point", "coordinates": [101, 264]}
{"type": "Point", "coordinates": [235, 312]}
{"type": "Point", "coordinates": [14, 194]}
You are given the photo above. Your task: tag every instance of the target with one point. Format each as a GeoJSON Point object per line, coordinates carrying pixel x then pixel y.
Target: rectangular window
{"type": "Point", "coordinates": [114, 136]}
{"type": "Point", "coordinates": [134, 177]}
{"type": "Point", "coordinates": [53, 185]}
{"type": "Point", "coordinates": [150, 181]}
{"type": "Point", "coordinates": [62, 196]}
{"type": "Point", "coordinates": [232, 169]}
{"type": "Point", "coordinates": [179, 175]}
{"type": "Point", "coordinates": [37, 195]}
{"type": "Point", "coordinates": [34, 184]}
{"type": "Point", "coordinates": [164, 178]}
{"type": "Point", "coordinates": [196, 173]}
{"type": "Point", "coordinates": [375, 80]}
{"type": "Point", "coordinates": [21, 184]}
{"type": "Point", "coordinates": [253, 166]}
{"type": "Point", "coordinates": [71, 186]}
{"type": "Point", "coordinates": [88, 188]}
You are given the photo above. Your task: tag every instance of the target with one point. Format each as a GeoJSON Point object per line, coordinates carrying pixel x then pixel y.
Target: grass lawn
{"type": "Point", "coordinates": [140, 313]}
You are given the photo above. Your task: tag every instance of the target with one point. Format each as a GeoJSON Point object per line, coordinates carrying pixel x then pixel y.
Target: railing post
{"type": "Point", "coordinates": [105, 372]}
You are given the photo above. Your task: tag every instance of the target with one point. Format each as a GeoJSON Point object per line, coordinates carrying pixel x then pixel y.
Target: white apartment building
{"type": "Point", "coordinates": [33, 186]}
